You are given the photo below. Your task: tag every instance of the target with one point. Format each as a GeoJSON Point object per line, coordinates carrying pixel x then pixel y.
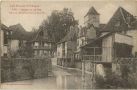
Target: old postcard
{"type": "Point", "coordinates": [66, 44]}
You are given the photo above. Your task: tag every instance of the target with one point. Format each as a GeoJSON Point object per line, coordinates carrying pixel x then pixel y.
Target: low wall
{"type": "Point", "coordinates": [100, 70]}
{"type": "Point", "coordinates": [22, 69]}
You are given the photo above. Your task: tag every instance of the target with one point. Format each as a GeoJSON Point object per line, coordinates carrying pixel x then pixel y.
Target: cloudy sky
{"type": "Point", "coordinates": [79, 8]}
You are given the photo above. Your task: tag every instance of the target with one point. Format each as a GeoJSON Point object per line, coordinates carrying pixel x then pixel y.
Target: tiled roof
{"type": "Point", "coordinates": [45, 37]}
{"type": "Point", "coordinates": [92, 11]}
{"type": "Point", "coordinates": [3, 27]}
{"type": "Point", "coordinates": [18, 32]}
{"type": "Point", "coordinates": [121, 20]}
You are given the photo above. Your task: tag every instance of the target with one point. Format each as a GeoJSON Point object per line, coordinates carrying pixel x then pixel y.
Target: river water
{"type": "Point", "coordinates": [60, 78]}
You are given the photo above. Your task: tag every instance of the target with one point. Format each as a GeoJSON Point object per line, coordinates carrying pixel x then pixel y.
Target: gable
{"type": "Point", "coordinates": [121, 20]}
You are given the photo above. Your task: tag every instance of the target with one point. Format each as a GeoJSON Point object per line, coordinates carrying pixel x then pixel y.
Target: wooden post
{"type": "Point", "coordinates": [0, 51]}
{"type": "Point", "coordinates": [83, 69]}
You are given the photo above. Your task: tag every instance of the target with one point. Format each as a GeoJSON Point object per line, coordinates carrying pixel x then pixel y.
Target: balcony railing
{"type": "Point", "coordinates": [42, 47]}
{"type": "Point", "coordinates": [92, 57]}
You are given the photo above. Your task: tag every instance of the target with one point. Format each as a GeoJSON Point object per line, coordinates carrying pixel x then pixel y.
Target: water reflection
{"type": "Point", "coordinates": [69, 82]}
{"type": "Point", "coordinates": [74, 81]}
{"type": "Point", "coordinates": [61, 79]}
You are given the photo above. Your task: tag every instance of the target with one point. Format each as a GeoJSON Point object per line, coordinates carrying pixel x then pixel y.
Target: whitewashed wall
{"type": "Point", "coordinates": [79, 40]}
{"type": "Point", "coordinates": [133, 33]}
{"type": "Point", "coordinates": [3, 48]}
{"type": "Point", "coordinates": [36, 44]}
{"type": "Point", "coordinates": [92, 19]}
{"type": "Point", "coordinates": [119, 38]}
{"type": "Point", "coordinates": [1, 43]}
{"type": "Point", "coordinates": [59, 50]}
{"type": "Point", "coordinates": [107, 49]}
{"type": "Point", "coordinates": [66, 51]}
{"type": "Point", "coordinates": [14, 45]}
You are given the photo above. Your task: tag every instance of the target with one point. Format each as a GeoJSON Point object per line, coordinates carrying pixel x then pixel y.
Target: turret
{"type": "Point", "coordinates": [92, 17]}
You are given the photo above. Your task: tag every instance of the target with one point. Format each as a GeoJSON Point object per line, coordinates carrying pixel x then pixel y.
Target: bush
{"type": "Point", "coordinates": [113, 81]}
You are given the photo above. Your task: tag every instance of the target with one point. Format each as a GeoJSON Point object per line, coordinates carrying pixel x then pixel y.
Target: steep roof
{"type": "Point", "coordinates": [18, 32]}
{"type": "Point", "coordinates": [45, 37]}
{"type": "Point", "coordinates": [3, 27]}
{"type": "Point", "coordinates": [92, 11]}
{"type": "Point", "coordinates": [121, 20]}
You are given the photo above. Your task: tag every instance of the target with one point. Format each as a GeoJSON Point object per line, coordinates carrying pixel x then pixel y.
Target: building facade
{"type": "Point", "coordinates": [117, 40]}
{"type": "Point", "coordinates": [5, 41]}
{"type": "Point", "coordinates": [42, 45]}
{"type": "Point", "coordinates": [90, 31]}
{"type": "Point", "coordinates": [125, 23]}
{"type": "Point", "coordinates": [66, 48]}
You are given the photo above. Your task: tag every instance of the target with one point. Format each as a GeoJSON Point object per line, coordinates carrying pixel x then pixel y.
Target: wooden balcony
{"type": "Point", "coordinates": [42, 47]}
{"type": "Point", "coordinates": [94, 59]}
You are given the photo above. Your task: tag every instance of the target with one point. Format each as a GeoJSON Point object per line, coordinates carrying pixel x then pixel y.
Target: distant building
{"type": "Point", "coordinates": [5, 40]}
{"type": "Point", "coordinates": [90, 31]}
{"type": "Point", "coordinates": [66, 48]}
{"type": "Point", "coordinates": [42, 44]}
{"type": "Point", "coordinates": [19, 38]}
{"type": "Point", "coordinates": [92, 17]}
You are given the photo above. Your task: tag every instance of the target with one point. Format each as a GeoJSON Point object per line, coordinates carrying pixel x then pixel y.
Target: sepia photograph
{"type": "Point", "coordinates": [68, 45]}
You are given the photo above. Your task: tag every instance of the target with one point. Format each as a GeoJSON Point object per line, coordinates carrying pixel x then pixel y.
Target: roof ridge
{"type": "Point", "coordinates": [92, 10]}
{"type": "Point", "coordinates": [123, 15]}
{"type": "Point", "coordinates": [36, 35]}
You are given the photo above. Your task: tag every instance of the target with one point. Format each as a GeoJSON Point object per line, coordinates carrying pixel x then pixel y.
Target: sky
{"type": "Point", "coordinates": [79, 8]}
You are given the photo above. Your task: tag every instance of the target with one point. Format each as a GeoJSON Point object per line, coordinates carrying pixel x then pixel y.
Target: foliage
{"type": "Point", "coordinates": [126, 80]}
{"type": "Point", "coordinates": [58, 23]}
{"type": "Point", "coordinates": [114, 82]}
{"type": "Point", "coordinates": [25, 50]}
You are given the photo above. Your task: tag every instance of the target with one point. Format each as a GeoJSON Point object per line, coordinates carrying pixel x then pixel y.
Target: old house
{"type": "Point", "coordinates": [117, 40]}
{"type": "Point", "coordinates": [42, 44]}
{"type": "Point", "coordinates": [102, 51]}
{"type": "Point", "coordinates": [89, 32]}
{"type": "Point", "coordinates": [125, 23]}
{"type": "Point", "coordinates": [19, 38]}
{"type": "Point", "coordinates": [66, 48]}
{"type": "Point", "coordinates": [5, 40]}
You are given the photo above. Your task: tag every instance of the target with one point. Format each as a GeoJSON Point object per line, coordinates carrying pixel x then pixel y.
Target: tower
{"type": "Point", "coordinates": [92, 17]}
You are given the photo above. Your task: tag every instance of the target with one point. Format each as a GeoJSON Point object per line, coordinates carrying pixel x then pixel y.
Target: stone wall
{"type": "Point", "coordinates": [100, 68]}
{"type": "Point", "coordinates": [22, 69]}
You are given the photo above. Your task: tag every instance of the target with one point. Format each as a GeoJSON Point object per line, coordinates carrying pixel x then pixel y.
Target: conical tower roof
{"type": "Point", "coordinates": [92, 11]}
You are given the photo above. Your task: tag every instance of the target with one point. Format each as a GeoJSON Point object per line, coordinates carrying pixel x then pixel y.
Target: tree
{"type": "Point", "coordinates": [58, 23]}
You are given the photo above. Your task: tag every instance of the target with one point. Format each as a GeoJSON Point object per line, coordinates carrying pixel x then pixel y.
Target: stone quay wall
{"type": "Point", "coordinates": [17, 69]}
